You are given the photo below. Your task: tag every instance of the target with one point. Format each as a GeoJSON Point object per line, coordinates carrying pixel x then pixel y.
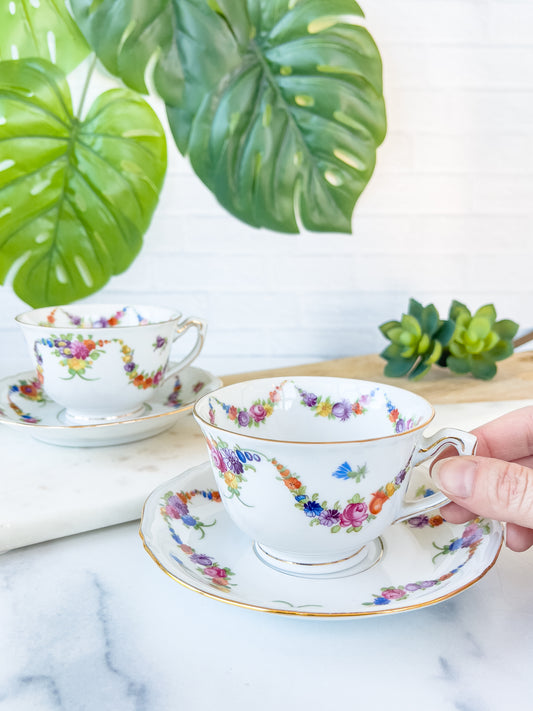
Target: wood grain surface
{"type": "Point", "coordinates": [514, 380]}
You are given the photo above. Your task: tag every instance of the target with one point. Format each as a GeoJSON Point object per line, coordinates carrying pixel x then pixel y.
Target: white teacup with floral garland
{"type": "Point", "coordinates": [314, 469]}
{"type": "Point", "coordinates": [103, 361]}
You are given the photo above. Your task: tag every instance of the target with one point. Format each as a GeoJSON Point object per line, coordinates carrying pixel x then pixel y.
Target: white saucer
{"type": "Point", "coordinates": [24, 404]}
{"type": "Point", "coordinates": [425, 560]}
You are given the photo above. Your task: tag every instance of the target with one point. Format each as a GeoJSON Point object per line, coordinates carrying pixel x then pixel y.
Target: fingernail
{"type": "Point", "coordinates": [455, 476]}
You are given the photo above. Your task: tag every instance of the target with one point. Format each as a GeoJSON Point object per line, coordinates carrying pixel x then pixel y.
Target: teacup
{"type": "Point", "coordinates": [103, 361]}
{"type": "Point", "coordinates": [315, 469]}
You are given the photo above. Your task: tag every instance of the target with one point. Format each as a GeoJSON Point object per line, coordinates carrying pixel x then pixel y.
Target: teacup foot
{"type": "Point", "coordinates": [357, 562]}
{"type": "Point", "coordinates": [68, 418]}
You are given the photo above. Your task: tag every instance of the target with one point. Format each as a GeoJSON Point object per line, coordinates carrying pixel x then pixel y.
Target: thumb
{"type": "Point", "coordinates": [488, 487]}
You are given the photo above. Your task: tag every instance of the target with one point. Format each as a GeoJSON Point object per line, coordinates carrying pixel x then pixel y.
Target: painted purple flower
{"type": "Point", "coordinates": [309, 399]}
{"type": "Point", "coordinates": [400, 425]}
{"type": "Point", "coordinates": [218, 460]}
{"type": "Point", "coordinates": [159, 342]}
{"type": "Point", "coordinates": [100, 323]}
{"type": "Point", "coordinates": [411, 587]}
{"type": "Point", "coordinates": [201, 559]}
{"type": "Point", "coordinates": [243, 418]}
{"type": "Point", "coordinates": [364, 399]}
{"type": "Point", "coordinates": [233, 463]}
{"type": "Point", "coordinates": [258, 412]}
{"type": "Point", "coordinates": [471, 534]}
{"type": "Point", "coordinates": [427, 583]}
{"type": "Point", "coordinates": [175, 507]}
{"type": "Point", "coordinates": [342, 410]}
{"type": "Point", "coordinates": [329, 517]}
{"type": "Point", "coordinates": [354, 515]}
{"type": "Point", "coordinates": [393, 593]}
{"type": "Point", "coordinates": [312, 509]}
{"type": "Point", "coordinates": [418, 521]}
{"type": "Point", "coordinates": [129, 367]}
{"type": "Point", "coordinates": [400, 477]}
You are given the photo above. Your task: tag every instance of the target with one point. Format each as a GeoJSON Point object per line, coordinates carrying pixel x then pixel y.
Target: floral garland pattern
{"type": "Point", "coordinates": [30, 390]}
{"type": "Point", "coordinates": [352, 516]}
{"type": "Point", "coordinates": [326, 407]}
{"type": "Point", "coordinates": [175, 508]}
{"type": "Point", "coordinates": [78, 354]}
{"type": "Point", "coordinates": [252, 416]}
{"type": "Point", "coordinates": [470, 540]}
{"type": "Point", "coordinates": [101, 322]}
{"type": "Point", "coordinates": [231, 465]}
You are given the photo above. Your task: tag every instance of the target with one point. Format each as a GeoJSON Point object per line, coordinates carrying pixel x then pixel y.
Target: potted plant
{"type": "Point", "coordinates": [278, 106]}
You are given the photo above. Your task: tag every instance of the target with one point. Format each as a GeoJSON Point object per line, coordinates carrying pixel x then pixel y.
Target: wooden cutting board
{"type": "Point", "coordinates": [514, 380]}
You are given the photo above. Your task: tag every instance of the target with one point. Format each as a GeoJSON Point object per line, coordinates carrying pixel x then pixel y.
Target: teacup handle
{"type": "Point", "coordinates": [181, 328]}
{"type": "Point", "coordinates": [464, 442]}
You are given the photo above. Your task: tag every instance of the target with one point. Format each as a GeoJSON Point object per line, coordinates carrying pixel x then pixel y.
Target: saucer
{"type": "Point", "coordinates": [423, 561]}
{"type": "Point", "coordinates": [23, 403]}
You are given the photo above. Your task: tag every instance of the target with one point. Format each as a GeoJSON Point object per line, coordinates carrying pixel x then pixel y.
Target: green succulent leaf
{"type": "Point", "coordinates": [482, 367]}
{"type": "Point", "coordinates": [487, 312]}
{"type": "Point", "coordinates": [282, 108]}
{"type": "Point", "coordinates": [458, 365]}
{"type": "Point", "coordinates": [421, 369]}
{"type": "Point", "coordinates": [132, 39]}
{"type": "Point", "coordinates": [42, 29]}
{"type": "Point", "coordinates": [458, 309]}
{"type": "Point", "coordinates": [505, 329]}
{"type": "Point", "coordinates": [399, 368]}
{"type": "Point", "coordinates": [75, 196]}
{"type": "Point", "coordinates": [445, 332]}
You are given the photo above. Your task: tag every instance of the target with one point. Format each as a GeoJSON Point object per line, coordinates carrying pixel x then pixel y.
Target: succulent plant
{"type": "Point", "coordinates": [417, 341]}
{"type": "Point", "coordinates": [478, 341]}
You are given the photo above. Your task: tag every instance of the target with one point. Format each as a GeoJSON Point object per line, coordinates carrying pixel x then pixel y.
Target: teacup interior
{"type": "Point", "coordinates": [314, 409]}
{"type": "Point", "coordinates": [96, 316]}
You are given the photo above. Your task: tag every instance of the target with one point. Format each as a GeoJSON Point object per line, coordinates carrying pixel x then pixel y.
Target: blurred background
{"type": "Point", "coordinates": [447, 214]}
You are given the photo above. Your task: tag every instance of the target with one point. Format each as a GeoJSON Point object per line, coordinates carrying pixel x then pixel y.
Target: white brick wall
{"type": "Point", "coordinates": [448, 213]}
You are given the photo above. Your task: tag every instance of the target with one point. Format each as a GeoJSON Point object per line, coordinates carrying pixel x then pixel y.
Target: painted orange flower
{"type": "Point", "coordinates": [357, 409]}
{"type": "Point", "coordinates": [232, 414]}
{"type": "Point", "coordinates": [89, 344]}
{"type": "Point", "coordinates": [394, 414]}
{"type": "Point", "coordinates": [293, 483]}
{"type": "Point", "coordinates": [436, 521]}
{"type": "Point", "coordinates": [379, 498]}
{"type": "Point", "coordinates": [138, 381]}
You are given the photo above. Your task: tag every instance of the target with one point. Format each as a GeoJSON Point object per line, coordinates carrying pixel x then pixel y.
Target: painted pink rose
{"type": "Point", "coordinates": [214, 572]}
{"type": "Point", "coordinates": [157, 377]}
{"type": "Point", "coordinates": [258, 412]}
{"type": "Point", "coordinates": [354, 515]}
{"type": "Point", "coordinates": [393, 594]}
{"type": "Point", "coordinates": [218, 460]}
{"type": "Point", "coordinates": [79, 350]}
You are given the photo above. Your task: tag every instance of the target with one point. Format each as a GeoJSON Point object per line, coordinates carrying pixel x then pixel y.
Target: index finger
{"type": "Point", "coordinates": [509, 437]}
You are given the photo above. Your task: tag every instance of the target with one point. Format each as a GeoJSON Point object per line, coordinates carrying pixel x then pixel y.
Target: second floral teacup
{"type": "Point", "coordinates": [314, 469]}
{"type": "Point", "coordinates": [103, 361]}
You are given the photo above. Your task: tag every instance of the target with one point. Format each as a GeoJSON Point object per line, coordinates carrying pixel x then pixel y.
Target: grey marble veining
{"type": "Point", "coordinates": [90, 623]}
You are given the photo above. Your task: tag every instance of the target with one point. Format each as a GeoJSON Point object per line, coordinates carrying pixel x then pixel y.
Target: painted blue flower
{"type": "Point", "coordinates": [343, 471]}
{"type": "Point", "coordinates": [188, 520]}
{"type": "Point", "coordinates": [381, 601]}
{"type": "Point", "coordinates": [455, 545]}
{"type": "Point", "coordinates": [301, 497]}
{"type": "Point", "coordinates": [175, 536]}
{"type": "Point", "coordinates": [312, 508]}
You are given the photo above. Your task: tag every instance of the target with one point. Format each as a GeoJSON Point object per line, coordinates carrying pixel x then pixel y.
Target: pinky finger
{"type": "Point", "coordinates": [518, 538]}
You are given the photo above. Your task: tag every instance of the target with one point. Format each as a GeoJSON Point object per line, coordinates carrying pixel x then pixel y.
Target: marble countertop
{"type": "Point", "coordinates": [90, 623]}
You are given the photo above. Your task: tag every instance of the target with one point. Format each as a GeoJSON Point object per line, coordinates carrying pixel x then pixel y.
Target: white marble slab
{"type": "Point", "coordinates": [48, 491]}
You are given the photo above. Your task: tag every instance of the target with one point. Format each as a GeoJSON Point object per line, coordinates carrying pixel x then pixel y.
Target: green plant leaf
{"type": "Point", "coordinates": [482, 368]}
{"type": "Point", "coordinates": [399, 368]}
{"type": "Point", "coordinates": [506, 329]}
{"type": "Point", "coordinates": [42, 29]}
{"type": "Point", "coordinates": [75, 196]}
{"type": "Point", "coordinates": [458, 365]}
{"type": "Point", "coordinates": [132, 38]}
{"type": "Point", "coordinates": [282, 109]}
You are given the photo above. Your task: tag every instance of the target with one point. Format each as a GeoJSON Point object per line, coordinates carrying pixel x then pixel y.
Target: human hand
{"type": "Point", "coordinates": [498, 481]}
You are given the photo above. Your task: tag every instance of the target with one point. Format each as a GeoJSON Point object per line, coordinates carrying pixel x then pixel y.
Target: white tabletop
{"type": "Point", "coordinates": [89, 622]}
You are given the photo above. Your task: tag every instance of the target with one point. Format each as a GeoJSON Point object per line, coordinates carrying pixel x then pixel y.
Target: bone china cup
{"type": "Point", "coordinates": [103, 361]}
{"type": "Point", "coordinates": [314, 469]}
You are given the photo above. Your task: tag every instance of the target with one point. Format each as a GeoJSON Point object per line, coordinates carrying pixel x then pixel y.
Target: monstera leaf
{"type": "Point", "coordinates": [76, 196]}
{"type": "Point", "coordinates": [282, 109]}
{"type": "Point", "coordinates": [277, 102]}
{"type": "Point", "coordinates": [41, 28]}
{"type": "Point", "coordinates": [128, 36]}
